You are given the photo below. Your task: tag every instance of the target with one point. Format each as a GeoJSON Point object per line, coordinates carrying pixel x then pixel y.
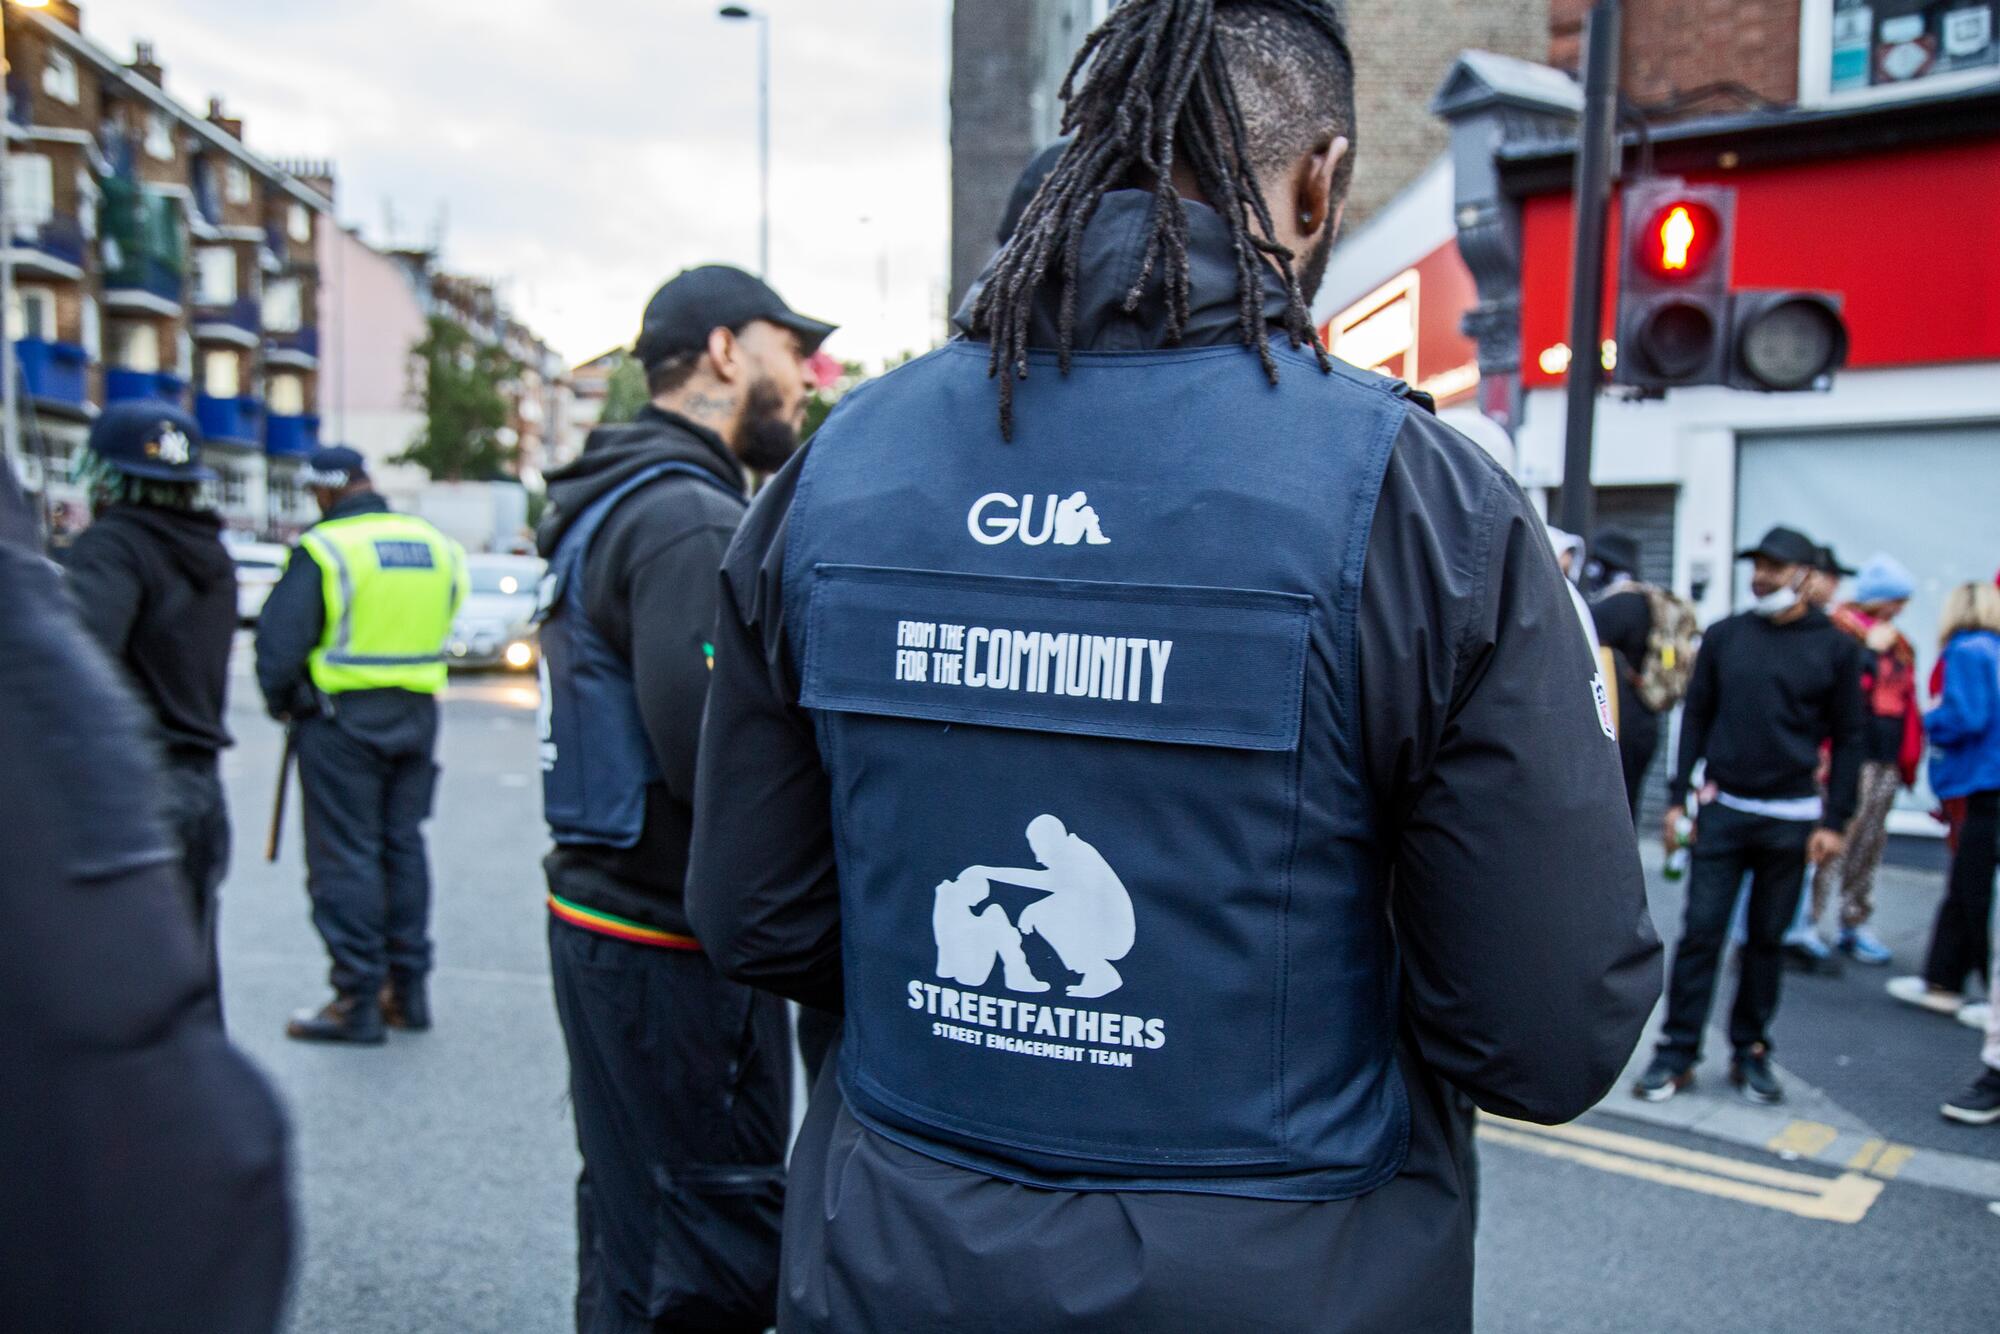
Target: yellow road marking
{"type": "Point", "coordinates": [1864, 1157]}
{"type": "Point", "coordinates": [1892, 1160]}
{"type": "Point", "coordinates": [1808, 1139]}
{"type": "Point", "coordinates": [1843, 1199]}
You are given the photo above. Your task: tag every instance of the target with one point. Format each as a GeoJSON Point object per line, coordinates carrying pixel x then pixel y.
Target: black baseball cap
{"type": "Point", "coordinates": [145, 438]}
{"type": "Point", "coordinates": [1787, 546]}
{"type": "Point", "coordinates": [696, 302]}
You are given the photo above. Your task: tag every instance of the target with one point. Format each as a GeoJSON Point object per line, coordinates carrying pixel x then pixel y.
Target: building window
{"type": "Point", "coordinates": [31, 191]}
{"type": "Point", "coordinates": [93, 337]}
{"type": "Point", "coordinates": [299, 223]}
{"type": "Point", "coordinates": [221, 374]}
{"type": "Point", "coordinates": [214, 275]}
{"type": "Point", "coordinates": [86, 203]}
{"type": "Point", "coordinates": [135, 346]}
{"type": "Point", "coordinates": [234, 493]}
{"type": "Point", "coordinates": [236, 183]}
{"type": "Point", "coordinates": [1883, 50]}
{"type": "Point", "coordinates": [281, 306]}
{"type": "Point", "coordinates": [184, 354]}
{"type": "Point", "coordinates": [59, 76]}
{"type": "Point", "coordinates": [159, 136]}
{"type": "Point", "coordinates": [288, 395]}
{"type": "Point", "coordinates": [31, 313]}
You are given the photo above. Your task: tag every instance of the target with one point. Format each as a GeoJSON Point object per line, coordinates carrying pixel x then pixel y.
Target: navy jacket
{"type": "Point", "coordinates": [1512, 858]}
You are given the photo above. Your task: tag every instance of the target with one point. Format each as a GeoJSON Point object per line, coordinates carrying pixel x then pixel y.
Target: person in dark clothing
{"type": "Point", "coordinates": [679, 1078]}
{"type": "Point", "coordinates": [142, 1159]}
{"type": "Point", "coordinates": [155, 587]}
{"type": "Point", "coordinates": [1771, 684]}
{"type": "Point", "coordinates": [1624, 618]}
{"type": "Point", "coordinates": [831, 798]}
{"type": "Point", "coordinates": [350, 658]}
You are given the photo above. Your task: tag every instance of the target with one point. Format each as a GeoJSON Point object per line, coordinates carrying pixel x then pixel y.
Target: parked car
{"type": "Point", "coordinates": [493, 628]}
{"type": "Point", "coordinates": [258, 565]}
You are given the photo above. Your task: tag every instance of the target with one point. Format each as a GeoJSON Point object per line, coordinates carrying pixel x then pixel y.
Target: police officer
{"type": "Point", "coordinates": [156, 588]}
{"type": "Point", "coordinates": [1178, 778]}
{"type": "Point", "coordinates": [350, 656]}
{"type": "Point", "coordinates": [142, 1160]}
{"type": "Point", "coordinates": [678, 1077]}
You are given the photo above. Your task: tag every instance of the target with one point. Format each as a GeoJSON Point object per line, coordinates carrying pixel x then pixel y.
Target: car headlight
{"type": "Point", "coordinates": [519, 654]}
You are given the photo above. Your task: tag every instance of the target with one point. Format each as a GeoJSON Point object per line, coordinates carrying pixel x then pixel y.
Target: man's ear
{"type": "Point", "coordinates": [1312, 186]}
{"type": "Point", "coordinates": [725, 355]}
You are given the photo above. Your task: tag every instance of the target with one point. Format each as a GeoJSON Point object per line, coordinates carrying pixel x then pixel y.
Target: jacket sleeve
{"type": "Point", "coordinates": [762, 892]}
{"type": "Point", "coordinates": [105, 588]}
{"type": "Point", "coordinates": [1847, 726]}
{"type": "Point", "coordinates": [288, 630]}
{"type": "Point", "coordinates": [1965, 709]}
{"type": "Point", "coordinates": [1697, 716]}
{"type": "Point", "coordinates": [670, 607]}
{"type": "Point", "coordinates": [1530, 959]}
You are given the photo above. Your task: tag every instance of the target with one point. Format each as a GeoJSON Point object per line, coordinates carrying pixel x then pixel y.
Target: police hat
{"type": "Point", "coordinates": [333, 466]}
{"type": "Point", "coordinates": [696, 302]}
{"type": "Point", "coordinates": [152, 439]}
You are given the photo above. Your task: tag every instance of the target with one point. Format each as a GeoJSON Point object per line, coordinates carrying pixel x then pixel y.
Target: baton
{"type": "Point", "coordinates": [273, 837]}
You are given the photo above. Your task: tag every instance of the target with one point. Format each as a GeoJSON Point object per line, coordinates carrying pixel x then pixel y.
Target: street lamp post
{"type": "Point", "coordinates": [763, 129]}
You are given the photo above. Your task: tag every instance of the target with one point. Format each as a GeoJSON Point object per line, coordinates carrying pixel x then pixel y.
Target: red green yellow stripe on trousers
{"type": "Point", "coordinates": [609, 924]}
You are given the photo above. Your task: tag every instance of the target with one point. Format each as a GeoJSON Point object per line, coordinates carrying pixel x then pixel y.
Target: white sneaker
{"type": "Point", "coordinates": [1915, 991]}
{"type": "Point", "coordinates": [1976, 1014]}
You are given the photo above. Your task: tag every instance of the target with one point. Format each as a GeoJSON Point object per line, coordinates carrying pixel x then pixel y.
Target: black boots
{"type": "Point", "coordinates": [406, 1004]}
{"type": "Point", "coordinates": [345, 1018]}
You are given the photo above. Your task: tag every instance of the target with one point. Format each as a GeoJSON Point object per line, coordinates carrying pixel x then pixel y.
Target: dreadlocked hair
{"type": "Point", "coordinates": [1159, 91]}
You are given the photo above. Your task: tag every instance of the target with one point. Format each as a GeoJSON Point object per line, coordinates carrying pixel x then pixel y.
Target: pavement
{"type": "Point", "coordinates": [434, 1175]}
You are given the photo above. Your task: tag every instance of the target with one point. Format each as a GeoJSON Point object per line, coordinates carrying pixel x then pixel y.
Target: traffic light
{"type": "Point", "coordinates": [1782, 341]}
{"type": "Point", "coordinates": [1673, 284]}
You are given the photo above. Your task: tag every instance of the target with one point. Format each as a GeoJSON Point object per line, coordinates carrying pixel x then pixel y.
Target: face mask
{"type": "Point", "coordinates": [1777, 602]}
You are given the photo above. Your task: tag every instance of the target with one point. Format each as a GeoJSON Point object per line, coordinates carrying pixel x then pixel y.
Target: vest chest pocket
{"type": "Point", "coordinates": [1067, 816]}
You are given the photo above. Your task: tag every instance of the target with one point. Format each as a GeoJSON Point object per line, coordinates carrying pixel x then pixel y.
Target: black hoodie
{"type": "Point", "coordinates": [650, 589]}
{"type": "Point", "coordinates": [157, 589]}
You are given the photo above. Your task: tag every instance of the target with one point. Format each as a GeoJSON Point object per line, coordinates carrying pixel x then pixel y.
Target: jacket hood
{"type": "Point", "coordinates": [612, 454]}
{"type": "Point", "coordinates": [191, 539]}
{"type": "Point", "coordinates": [1113, 253]}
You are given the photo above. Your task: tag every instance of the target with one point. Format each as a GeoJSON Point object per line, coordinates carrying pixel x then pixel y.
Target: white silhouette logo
{"type": "Point", "coordinates": [1069, 520]}
{"type": "Point", "coordinates": [1073, 901]}
{"type": "Point", "coordinates": [173, 446]}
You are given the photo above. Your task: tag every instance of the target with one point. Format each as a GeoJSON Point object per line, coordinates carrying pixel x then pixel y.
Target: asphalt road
{"type": "Point", "coordinates": [433, 1176]}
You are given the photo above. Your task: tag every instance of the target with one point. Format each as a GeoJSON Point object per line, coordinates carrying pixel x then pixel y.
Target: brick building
{"type": "Point", "coordinates": [155, 256]}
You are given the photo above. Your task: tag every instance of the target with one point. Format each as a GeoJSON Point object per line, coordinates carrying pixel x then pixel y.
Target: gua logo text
{"type": "Point", "coordinates": [997, 517]}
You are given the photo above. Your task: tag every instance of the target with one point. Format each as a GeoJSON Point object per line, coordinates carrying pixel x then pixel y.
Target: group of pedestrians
{"type": "Point", "coordinates": [1803, 715]}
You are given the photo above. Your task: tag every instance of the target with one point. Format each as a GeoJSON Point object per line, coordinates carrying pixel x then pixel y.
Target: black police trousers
{"type": "Point", "coordinates": [366, 799]}
{"type": "Point", "coordinates": [197, 817]}
{"type": "Point", "coordinates": [680, 1081]}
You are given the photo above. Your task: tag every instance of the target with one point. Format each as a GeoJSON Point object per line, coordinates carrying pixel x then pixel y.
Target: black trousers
{"type": "Point", "coordinates": [1962, 937]}
{"type": "Point", "coordinates": [1638, 739]}
{"type": "Point", "coordinates": [1728, 843]}
{"type": "Point", "coordinates": [681, 1085]}
{"type": "Point", "coordinates": [365, 804]}
{"type": "Point", "coordinates": [197, 816]}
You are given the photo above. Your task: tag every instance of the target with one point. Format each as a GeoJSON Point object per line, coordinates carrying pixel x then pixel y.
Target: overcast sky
{"type": "Point", "coordinates": [582, 152]}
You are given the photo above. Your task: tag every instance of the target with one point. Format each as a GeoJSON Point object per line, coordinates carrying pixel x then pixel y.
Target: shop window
{"type": "Point", "coordinates": [215, 275]}
{"type": "Point", "coordinates": [159, 136]}
{"type": "Point", "coordinates": [221, 374]}
{"type": "Point", "coordinates": [288, 395]}
{"type": "Point", "coordinates": [31, 191]}
{"type": "Point", "coordinates": [281, 305]}
{"type": "Point", "coordinates": [135, 345]}
{"type": "Point", "coordinates": [299, 223]}
{"type": "Point", "coordinates": [31, 313]}
{"type": "Point", "coordinates": [236, 183]}
{"type": "Point", "coordinates": [59, 76]}
{"type": "Point", "coordinates": [1884, 50]}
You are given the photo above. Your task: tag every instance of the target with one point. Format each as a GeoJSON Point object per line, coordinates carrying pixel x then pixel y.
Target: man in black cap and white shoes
{"type": "Point", "coordinates": [154, 585]}
{"type": "Point", "coordinates": [679, 1078]}
{"type": "Point", "coordinates": [1770, 685]}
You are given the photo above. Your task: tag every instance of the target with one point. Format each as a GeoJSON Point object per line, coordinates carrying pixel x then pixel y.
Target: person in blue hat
{"type": "Point", "coordinates": [350, 655]}
{"type": "Point", "coordinates": [154, 585]}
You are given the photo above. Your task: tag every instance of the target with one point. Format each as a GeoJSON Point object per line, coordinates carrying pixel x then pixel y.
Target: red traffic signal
{"type": "Point", "coordinates": [1679, 240]}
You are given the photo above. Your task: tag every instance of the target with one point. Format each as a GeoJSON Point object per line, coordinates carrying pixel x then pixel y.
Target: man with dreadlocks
{"type": "Point", "coordinates": [1308, 687]}
{"type": "Point", "coordinates": [153, 583]}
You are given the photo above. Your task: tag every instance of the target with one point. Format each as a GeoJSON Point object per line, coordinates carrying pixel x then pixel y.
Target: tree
{"type": "Point", "coordinates": [460, 382]}
{"type": "Point", "coordinates": [625, 393]}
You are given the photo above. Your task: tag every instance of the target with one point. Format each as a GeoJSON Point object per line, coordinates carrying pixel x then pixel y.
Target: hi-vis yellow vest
{"type": "Point", "coordinates": [392, 584]}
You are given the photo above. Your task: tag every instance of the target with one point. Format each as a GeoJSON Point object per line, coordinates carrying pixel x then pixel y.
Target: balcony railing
{"type": "Point", "coordinates": [122, 383]}
{"type": "Point", "coordinates": [242, 313]}
{"type": "Point", "coordinates": [303, 340]}
{"type": "Point", "coordinates": [59, 238]}
{"type": "Point", "coordinates": [53, 372]}
{"type": "Point", "coordinates": [237, 419]}
{"type": "Point", "coordinates": [144, 273]}
{"type": "Point", "coordinates": [291, 437]}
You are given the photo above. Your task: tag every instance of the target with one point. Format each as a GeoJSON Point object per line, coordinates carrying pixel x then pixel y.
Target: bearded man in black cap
{"type": "Point", "coordinates": [154, 585]}
{"type": "Point", "coordinates": [679, 1078]}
